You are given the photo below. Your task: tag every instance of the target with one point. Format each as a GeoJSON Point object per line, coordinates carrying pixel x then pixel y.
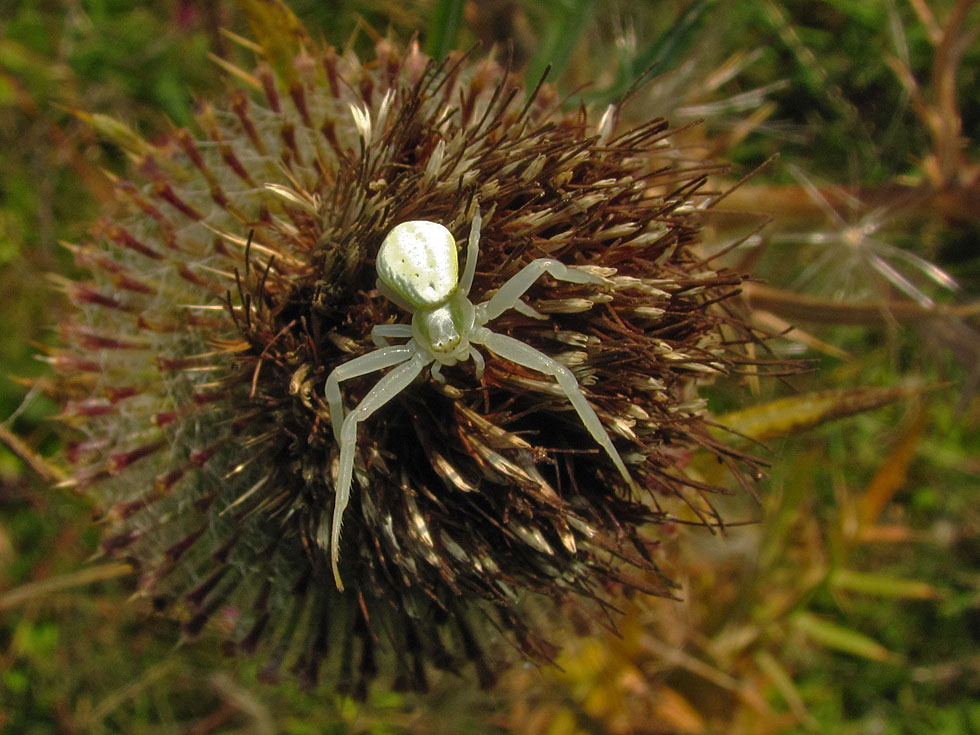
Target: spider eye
{"type": "Point", "coordinates": [418, 261]}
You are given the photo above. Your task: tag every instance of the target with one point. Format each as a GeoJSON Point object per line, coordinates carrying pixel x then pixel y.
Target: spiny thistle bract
{"type": "Point", "coordinates": [237, 270]}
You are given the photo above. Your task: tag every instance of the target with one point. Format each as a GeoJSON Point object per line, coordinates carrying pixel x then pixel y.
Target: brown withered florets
{"type": "Point", "coordinates": [238, 270]}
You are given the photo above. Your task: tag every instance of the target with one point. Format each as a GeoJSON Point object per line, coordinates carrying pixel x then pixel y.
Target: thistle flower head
{"type": "Point", "coordinates": [237, 270]}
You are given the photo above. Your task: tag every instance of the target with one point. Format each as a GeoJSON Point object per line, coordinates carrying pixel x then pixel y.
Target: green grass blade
{"type": "Point", "coordinates": [663, 54]}
{"type": "Point", "coordinates": [883, 585]}
{"type": "Point", "coordinates": [839, 638]}
{"type": "Point", "coordinates": [444, 28]}
{"type": "Point", "coordinates": [791, 415]}
{"type": "Point", "coordinates": [566, 23]}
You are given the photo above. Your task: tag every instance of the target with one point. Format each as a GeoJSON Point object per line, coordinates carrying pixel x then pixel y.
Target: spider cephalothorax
{"type": "Point", "coordinates": [418, 270]}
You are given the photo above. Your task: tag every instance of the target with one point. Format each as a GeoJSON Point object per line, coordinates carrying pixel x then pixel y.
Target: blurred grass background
{"type": "Point", "coordinates": [849, 604]}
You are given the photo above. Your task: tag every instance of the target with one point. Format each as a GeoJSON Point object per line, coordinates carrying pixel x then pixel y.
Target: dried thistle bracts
{"type": "Point", "coordinates": [237, 271]}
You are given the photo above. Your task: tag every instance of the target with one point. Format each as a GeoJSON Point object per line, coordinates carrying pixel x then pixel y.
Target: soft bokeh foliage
{"type": "Point", "coordinates": [851, 601]}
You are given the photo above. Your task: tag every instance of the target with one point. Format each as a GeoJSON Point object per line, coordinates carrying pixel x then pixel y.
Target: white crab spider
{"type": "Point", "coordinates": [418, 270]}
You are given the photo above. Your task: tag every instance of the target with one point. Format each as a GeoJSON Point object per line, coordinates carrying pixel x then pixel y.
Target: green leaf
{"type": "Point", "coordinates": [784, 684]}
{"type": "Point", "coordinates": [444, 28]}
{"type": "Point", "coordinates": [567, 21]}
{"type": "Point", "coordinates": [842, 639]}
{"type": "Point", "coordinates": [115, 130]}
{"type": "Point", "coordinates": [789, 416]}
{"type": "Point", "coordinates": [15, 57]}
{"type": "Point", "coordinates": [883, 585]}
{"type": "Point", "coordinates": [279, 32]}
{"type": "Point", "coordinates": [665, 53]}
{"type": "Point", "coordinates": [16, 681]}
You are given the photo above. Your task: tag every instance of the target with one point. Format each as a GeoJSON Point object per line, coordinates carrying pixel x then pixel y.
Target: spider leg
{"type": "Point", "coordinates": [508, 295]}
{"type": "Point", "coordinates": [527, 310]}
{"type": "Point", "coordinates": [369, 363]}
{"type": "Point", "coordinates": [380, 331]}
{"type": "Point", "coordinates": [481, 364]}
{"type": "Point", "coordinates": [523, 354]}
{"type": "Point", "coordinates": [436, 371]}
{"type": "Point", "coordinates": [472, 254]}
{"type": "Point", "coordinates": [384, 390]}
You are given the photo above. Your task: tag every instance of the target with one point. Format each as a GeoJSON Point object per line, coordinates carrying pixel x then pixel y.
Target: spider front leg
{"type": "Point", "coordinates": [380, 333]}
{"type": "Point", "coordinates": [509, 295]}
{"type": "Point", "coordinates": [472, 254]}
{"type": "Point", "coordinates": [369, 363]}
{"type": "Point", "coordinates": [523, 354]}
{"type": "Point", "coordinates": [384, 390]}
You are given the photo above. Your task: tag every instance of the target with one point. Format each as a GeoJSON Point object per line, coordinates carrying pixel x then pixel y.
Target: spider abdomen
{"type": "Point", "coordinates": [418, 261]}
